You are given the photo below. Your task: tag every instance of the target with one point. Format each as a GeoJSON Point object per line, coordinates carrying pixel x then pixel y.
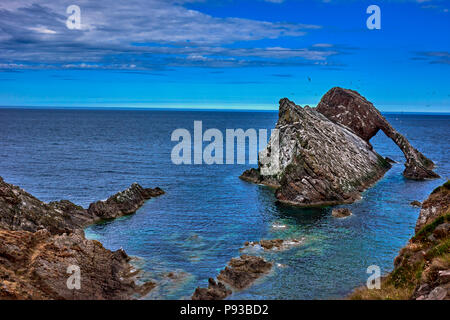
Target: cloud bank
{"type": "Point", "coordinates": [142, 34]}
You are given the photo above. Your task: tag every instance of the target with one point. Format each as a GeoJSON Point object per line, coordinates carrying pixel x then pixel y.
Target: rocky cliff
{"type": "Point", "coordinates": [323, 156]}
{"type": "Point", "coordinates": [422, 268]}
{"type": "Point", "coordinates": [40, 241]}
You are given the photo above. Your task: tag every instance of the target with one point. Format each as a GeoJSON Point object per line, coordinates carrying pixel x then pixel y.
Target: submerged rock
{"type": "Point", "coordinates": [341, 212]}
{"type": "Point", "coordinates": [19, 210]}
{"type": "Point", "coordinates": [320, 162]}
{"type": "Point", "coordinates": [349, 108]}
{"type": "Point", "coordinates": [274, 244]}
{"type": "Point", "coordinates": [39, 241]}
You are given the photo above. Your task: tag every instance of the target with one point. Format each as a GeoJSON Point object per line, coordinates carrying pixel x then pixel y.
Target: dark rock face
{"type": "Point", "coordinates": [321, 162]}
{"type": "Point", "coordinates": [243, 271]}
{"type": "Point", "coordinates": [341, 213]}
{"type": "Point", "coordinates": [349, 108]}
{"type": "Point", "coordinates": [34, 266]}
{"type": "Point", "coordinates": [39, 241]}
{"type": "Point", "coordinates": [254, 176]}
{"type": "Point", "coordinates": [123, 203]}
{"type": "Point", "coordinates": [239, 274]}
{"type": "Point", "coordinates": [215, 291]}
{"type": "Point", "coordinates": [21, 211]}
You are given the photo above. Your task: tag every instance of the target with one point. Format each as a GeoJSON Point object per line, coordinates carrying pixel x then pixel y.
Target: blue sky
{"type": "Point", "coordinates": [223, 54]}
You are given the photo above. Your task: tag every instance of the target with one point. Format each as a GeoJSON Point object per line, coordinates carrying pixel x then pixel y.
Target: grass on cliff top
{"type": "Point", "coordinates": [402, 281]}
{"type": "Point", "coordinates": [387, 292]}
{"type": "Point", "coordinates": [445, 186]}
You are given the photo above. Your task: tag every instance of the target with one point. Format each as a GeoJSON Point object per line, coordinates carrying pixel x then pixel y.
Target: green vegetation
{"type": "Point", "coordinates": [439, 250]}
{"type": "Point", "coordinates": [427, 230]}
{"type": "Point", "coordinates": [417, 263]}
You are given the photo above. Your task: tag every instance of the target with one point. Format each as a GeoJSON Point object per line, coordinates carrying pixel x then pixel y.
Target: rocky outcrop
{"type": "Point", "coordinates": [123, 203]}
{"type": "Point", "coordinates": [437, 204]}
{"type": "Point", "coordinates": [39, 242]}
{"type": "Point", "coordinates": [34, 265]}
{"type": "Point", "coordinates": [422, 268]}
{"type": "Point", "coordinates": [19, 210]}
{"type": "Point", "coordinates": [254, 176]}
{"type": "Point", "coordinates": [322, 156]}
{"type": "Point", "coordinates": [239, 274]}
{"type": "Point", "coordinates": [215, 291]}
{"type": "Point", "coordinates": [416, 203]}
{"type": "Point", "coordinates": [243, 271]}
{"type": "Point", "coordinates": [341, 212]}
{"type": "Point", "coordinates": [320, 162]}
{"type": "Point", "coordinates": [349, 108]}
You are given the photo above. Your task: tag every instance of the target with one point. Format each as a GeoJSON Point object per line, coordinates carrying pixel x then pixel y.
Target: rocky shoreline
{"type": "Point", "coordinates": [324, 156]}
{"type": "Point", "coordinates": [241, 272]}
{"type": "Point", "coordinates": [422, 268]}
{"type": "Point", "coordinates": [40, 241]}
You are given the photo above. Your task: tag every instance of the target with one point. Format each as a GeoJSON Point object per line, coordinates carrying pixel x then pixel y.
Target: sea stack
{"type": "Point", "coordinates": [324, 154]}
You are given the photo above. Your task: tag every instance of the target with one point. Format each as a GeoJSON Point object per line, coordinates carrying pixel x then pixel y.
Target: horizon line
{"type": "Point", "coordinates": [177, 109]}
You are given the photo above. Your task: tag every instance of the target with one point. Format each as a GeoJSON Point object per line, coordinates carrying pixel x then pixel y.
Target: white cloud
{"type": "Point", "coordinates": [142, 33]}
{"type": "Point", "coordinates": [42, 30]}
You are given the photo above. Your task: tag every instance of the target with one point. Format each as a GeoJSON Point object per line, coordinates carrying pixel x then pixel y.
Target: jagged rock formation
{"type": "Point", "coordinates": [123, 203]}
{"type": "Point", "coordinates": [215, 291]}
{"type": "Point", "coordinates": [324, 154]}
{"type": "Point", "coordinates": [240, 273]}
{"type": "Point", "coordinates": [19, 210]}
{"type": "Point", "coordinates": [422, 268]}
{"type": "Point", "coordinates": [349, 108]}
{"type": "Point", "coordinates": [34, 266]}
{"type": "Point", "coordinates": [320, 162]}
{"type": "Point", "coordinates": [39, 241]}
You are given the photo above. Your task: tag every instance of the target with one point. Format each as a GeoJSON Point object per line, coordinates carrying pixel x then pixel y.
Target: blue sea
{"type": "Point", "coordinates": [207, 212]}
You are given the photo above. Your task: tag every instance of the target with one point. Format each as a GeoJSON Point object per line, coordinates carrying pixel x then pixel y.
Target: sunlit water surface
{"type": "Point", "coordinates": [208, 213]}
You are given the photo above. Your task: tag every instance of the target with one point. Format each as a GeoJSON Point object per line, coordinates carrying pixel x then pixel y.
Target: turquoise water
{"type": "Point", "coordinates": [208, 213]}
